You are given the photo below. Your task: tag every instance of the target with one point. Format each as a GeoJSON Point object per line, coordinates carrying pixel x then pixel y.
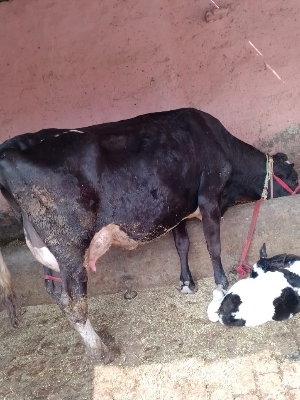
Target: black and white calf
{"type": "Point", "coordinates": [271, 293]}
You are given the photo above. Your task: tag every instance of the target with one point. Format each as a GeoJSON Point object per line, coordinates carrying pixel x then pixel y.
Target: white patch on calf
{"type": "Point", "coordinates": [295, 268]}
{"type": "Point", "coordinates": [214, 305]}
{"type": "Point", "coordinates": [257, 269]}
{"type": "Point", "coordinates": [257, 296]}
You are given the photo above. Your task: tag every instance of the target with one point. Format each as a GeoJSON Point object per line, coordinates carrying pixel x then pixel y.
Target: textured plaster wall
{"type": "Point", "coordinates": [72, 63]}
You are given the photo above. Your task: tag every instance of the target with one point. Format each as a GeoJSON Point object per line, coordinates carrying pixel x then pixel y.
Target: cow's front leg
{"type": "Point", "coordinates": [73, 302]}
{"type": "Point", "coordinates": [182, 244]}
{"type": "Point", "coordinates": [211, 217]}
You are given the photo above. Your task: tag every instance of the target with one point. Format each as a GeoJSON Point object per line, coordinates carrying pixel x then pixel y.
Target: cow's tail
{"type": "Point", "coordinates": [9, 298]}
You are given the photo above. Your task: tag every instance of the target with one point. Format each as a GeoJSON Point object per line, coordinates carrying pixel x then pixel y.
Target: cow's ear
{"type": "Point", "coordinates": [263, 251]}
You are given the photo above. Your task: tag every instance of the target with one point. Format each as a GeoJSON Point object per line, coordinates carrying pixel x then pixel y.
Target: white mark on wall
{"type": "Point", "coordinates": [267, 65]}
{"type": "Point", "coordinates": [214, 3]}
{"type": "Point", "coordinates": [255, 48]}
{"type": "Point", "coordinates": [274, 72]}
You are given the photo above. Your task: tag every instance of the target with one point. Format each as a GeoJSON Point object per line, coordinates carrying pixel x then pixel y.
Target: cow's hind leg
{"type": "Point", "coordinates": [182, 244]}
{"type": "Point", "coordinates": [52, 284]}
{"type": "Point", "coordinates": [73, 302]}
{"type": "Point", "coordinates": [9, 298]}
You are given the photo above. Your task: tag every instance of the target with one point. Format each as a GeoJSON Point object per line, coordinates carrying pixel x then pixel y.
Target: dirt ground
{"type": "Point", "coordinates": [166, 348]}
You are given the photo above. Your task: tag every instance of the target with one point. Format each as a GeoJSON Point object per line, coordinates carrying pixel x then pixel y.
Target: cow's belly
{"type": "Point", "coordinates": [144, 227]}
{"type": "Point", "coordinates": [113, 234]}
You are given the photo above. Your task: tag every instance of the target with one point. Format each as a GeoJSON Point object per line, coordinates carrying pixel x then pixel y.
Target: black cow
{"type": "Point", "coordinates": [77, 192]}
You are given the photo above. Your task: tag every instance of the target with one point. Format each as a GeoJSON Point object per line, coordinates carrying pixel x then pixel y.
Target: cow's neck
{"type": "Point", "coordinates": [251, 172]}
{"type": "Point", "coordinates": [248, 177]}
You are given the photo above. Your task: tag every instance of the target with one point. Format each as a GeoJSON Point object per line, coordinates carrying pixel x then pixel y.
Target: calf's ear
{"type": "Point", "coordinates": [263, 251]}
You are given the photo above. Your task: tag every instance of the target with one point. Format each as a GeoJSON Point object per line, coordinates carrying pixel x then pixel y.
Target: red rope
{"type": "Point", "coordinates": [243, 268]}
{"type": "Point", "coordinates": [285, 186]}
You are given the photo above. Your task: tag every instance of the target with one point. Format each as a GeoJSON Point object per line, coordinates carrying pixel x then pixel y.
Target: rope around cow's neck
{"type": "Point", "coordinates": [269, 173]}
{"type": "Point", "coordinates": [243, 268]}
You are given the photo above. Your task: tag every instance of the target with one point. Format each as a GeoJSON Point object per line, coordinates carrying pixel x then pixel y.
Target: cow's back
{"type": "Point", "coordinates": [142, 174]}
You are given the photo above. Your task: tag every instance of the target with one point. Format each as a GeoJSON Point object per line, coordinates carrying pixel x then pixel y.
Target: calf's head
{"type": "Point", "coordinates": [265, 264]}
{"type": "Point", "coordinates": [228, 311]}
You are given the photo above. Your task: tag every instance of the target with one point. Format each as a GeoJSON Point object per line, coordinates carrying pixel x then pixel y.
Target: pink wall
{"type": "Point", "coordinates": [70, 63]}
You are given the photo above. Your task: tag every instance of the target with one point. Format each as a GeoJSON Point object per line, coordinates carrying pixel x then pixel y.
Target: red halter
{"type": "Point", "coordinates": [285, 186]}
{"type": "Point", "coordinates": [243, 268]}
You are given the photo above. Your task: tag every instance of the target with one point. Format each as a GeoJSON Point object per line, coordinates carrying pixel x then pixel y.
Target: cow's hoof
{"type": "Point", "coordinates": [101, 354]}
{"type": "Point", "coordinates": [187, 287]}
{"type": "Point", "coordinates": [220, 292]}
{"type": "Point", "coordinates": [224, 285]}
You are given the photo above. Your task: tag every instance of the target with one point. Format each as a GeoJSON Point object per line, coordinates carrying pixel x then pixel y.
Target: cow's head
{"type": "Point", "coordinates": [285, 171]}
